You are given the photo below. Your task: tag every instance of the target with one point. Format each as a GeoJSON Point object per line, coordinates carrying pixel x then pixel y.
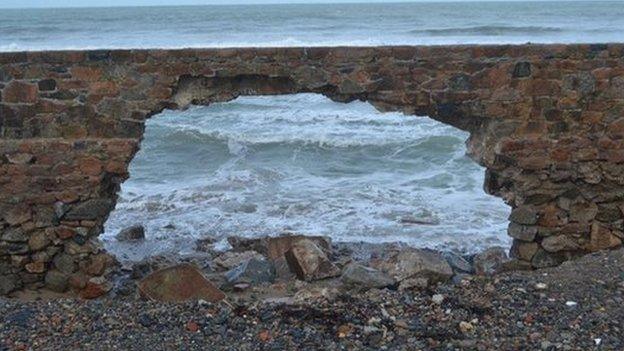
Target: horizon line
{"type": "Point", "coordinates": [294, 2]}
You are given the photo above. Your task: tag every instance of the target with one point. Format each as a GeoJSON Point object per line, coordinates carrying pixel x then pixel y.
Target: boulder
{"type": "Point", "coordinates": [133, 233]}
{"type": "Point", "coordinates": [458, 263]}
{"type": "Point", "coordinates": [56, 281]}
{"type": "Point", "coordinates": [416, 267]}
{"type": "Point", "coordinates": [309, 262]}
{"type": "Point", "coordinates": [360, 276]}
{"type": "Point", "coordinates": [252, 271]}
{"type": "Point", "coordinates": [489, 261]}
{"type": "Point", "coordinates": [275, 247]}
{"type": "Point", "coordinates": [95, 288]}
{"type": "Point", "coordinates": [179, 283]}
{"type": "Point", "coordinates": [229, 259]}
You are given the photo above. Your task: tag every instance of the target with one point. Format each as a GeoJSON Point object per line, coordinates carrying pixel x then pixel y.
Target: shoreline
{"type": "Point", "coordinates": [574, 306]}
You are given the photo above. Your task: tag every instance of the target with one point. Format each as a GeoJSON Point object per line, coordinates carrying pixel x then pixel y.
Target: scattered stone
{"type": "Point", "coordinates": [458, 263]}
{"type": "Point", "coordinates": [229, 259]}
{"type": "Point", "coordinates": [437, 299]}
{"type": "Point", "coordinates": [179, 283]}
{"type": "Point", "coordinates": [192, 327]}
{"type": "Point", "coordinates": [95, 287]}
{"type": "Point", "coordinates": [571, 303]}
{"type": "Point", "coordinates": [309, 262]}
{"type": "Point", "coordinates": [465, 327]}
{"type": "Point", "coordinates": [360, 276]}
{"type": "Point", "coordinates": [282, 270]}
{"type": "Point", "coordinates": [275, 247]}
{"type": "Point", "coordinates": [540, 286]}
{"type": "Point", "coordinates": [418, 265]}
{"type": "Point", "coordinates": [132, 233]}
{"type": "Point", "coordinates": [253, 271]}
{"type": "Point", "coordinates": [490, 261]}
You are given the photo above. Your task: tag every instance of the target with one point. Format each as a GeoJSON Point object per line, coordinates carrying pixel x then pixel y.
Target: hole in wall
{"type": "Point", "coordinates": [262, 165]}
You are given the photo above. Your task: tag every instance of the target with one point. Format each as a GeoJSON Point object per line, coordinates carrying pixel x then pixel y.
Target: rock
{"type": "Point", "coordinates": [418, 266]}
{"type": "Point", "coordinates": [56, 281]}
{"type": "Point", "coordinates": [437, 299]}
{"type": "Point", "coordinates": [522, 232]}
{"type": "Point", "coordinates": [602, 238]}
{"type": "Point", "coordinates": [229, 259]}
{"type": "Point", "coordinates": [489, 261]}
{"type": "Point", "coordinates": [360, 276]}
{"type": "Point", "coordinates": [282, 270]}
{"type": "Point", "coordinates": [458, 263]}
{"type": "Point", "coordinates": [133, 233]}
{"type": "Point", "coordinates": [17, 215]}
{"type": "Point", "coordinates": [64, 263]}
{"type": "Point", "coordinates": [20, 158]}
{"type": "Point", "coordinates": [14, 235]}
{"type": "Point", "coordinates": [252, 271]}
{"type": "Point", "coordinates": [95, 288]}
{"type": "Point", "coordinates": [543, 259]}
{"type": "Point", "coordinates": [204, 245]}
{"type": "Point", "coordinates": [38, 241]}
{"type": "Point", "coordinates": [523, 215]}
{"type": "Point", "coordinates": [557, 243]}
{"type": "Point", "coordinates": [309, 262]}
{"type": "Point", "coordinates": [465, 327]}
{"type": "Point", "coordinates": [521, 70]}
{"type": "Point", "coordinates": [35, 267]}
{"type": "Point", "coordinates": [276, 247]}
{"type": "Point", "coordinates": [8, 283]}
{"type": "Point", "coordinates": [179, 283]}
{"type": "Point", "coordinates": [523, 250]}
{"type": "Point", "coordinates": [90, 210]}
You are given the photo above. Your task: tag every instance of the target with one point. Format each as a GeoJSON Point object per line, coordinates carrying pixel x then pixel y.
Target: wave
{"type": "Point", "coordinates": [488, 31]}
{"type": "Point", "coordinates": [185, 136]}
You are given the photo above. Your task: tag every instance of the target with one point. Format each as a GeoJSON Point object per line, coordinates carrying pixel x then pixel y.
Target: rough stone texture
{"type": "Point", "coordinates": [360, 276]}
{"type": "Point", "coordinates": [416, 268]}
{"type": "Point", "coordinates": [309, 262]}
{"type": "Point", "coordinates": [545, 121]}
{"type": "Point", "coordinates": [132, 233]}
{"type": "Point", "coordinates": [179, 283]}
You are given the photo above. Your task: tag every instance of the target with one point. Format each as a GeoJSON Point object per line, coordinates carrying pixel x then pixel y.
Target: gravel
{"type": "Point", "coordinates": [576, 306]}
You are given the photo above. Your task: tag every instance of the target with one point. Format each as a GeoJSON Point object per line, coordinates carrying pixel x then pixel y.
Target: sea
{"type": "Point", "coordinates": [301, 163]}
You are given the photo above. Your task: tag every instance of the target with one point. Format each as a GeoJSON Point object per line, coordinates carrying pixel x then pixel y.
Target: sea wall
{"type": "Point", "coordinates": [545, 121]}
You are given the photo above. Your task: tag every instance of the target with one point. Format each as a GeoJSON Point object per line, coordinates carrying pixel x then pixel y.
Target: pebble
{"type": "Point", "coordinates": [437, 299]}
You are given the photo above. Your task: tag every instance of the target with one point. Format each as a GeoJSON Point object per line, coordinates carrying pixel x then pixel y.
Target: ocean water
{"type": "Point", "coordinates": [312, 25]}
{"type": "Point", "coordinates": [263, 165]}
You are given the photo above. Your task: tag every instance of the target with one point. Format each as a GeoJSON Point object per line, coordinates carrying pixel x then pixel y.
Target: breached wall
{"type": "Point", "coordinates": [546, 122]}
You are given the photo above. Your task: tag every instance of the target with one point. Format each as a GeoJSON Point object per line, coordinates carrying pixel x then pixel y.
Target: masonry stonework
{"type": "Point", "coordinates": [546, 122]}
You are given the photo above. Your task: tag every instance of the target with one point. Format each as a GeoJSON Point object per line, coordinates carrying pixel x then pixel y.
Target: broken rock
{"type": "Point", "coordinates": [252, 271]}
{"type": "Point", "coordinates": [179, 283]}
{"type": "Point", "coordinates": [357, 275]}
{"type": "Point", "coordinates": [309, 262]}
{"type": "Point", "coordinates": [416, 267]}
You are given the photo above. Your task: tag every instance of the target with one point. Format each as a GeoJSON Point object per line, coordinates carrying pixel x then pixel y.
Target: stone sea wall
{"type": "Point", "coordinates": [545, 121]}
